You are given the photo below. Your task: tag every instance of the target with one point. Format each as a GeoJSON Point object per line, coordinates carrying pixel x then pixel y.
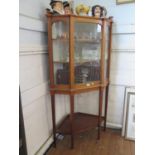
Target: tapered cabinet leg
{"type": "Point", "coordinates": [106, 106]}
{"type": "Point", "coordinates": [53, 118]}
{"type": "Point", "coordinates": [100, 111]}
{"type": "Point", "coordinates": [72, 120]}
{"type": "Point", "coordinates": [72, 141]}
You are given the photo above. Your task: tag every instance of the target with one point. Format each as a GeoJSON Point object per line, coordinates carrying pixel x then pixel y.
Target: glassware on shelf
{"type": "Point", "coordinates": [77, 55]}
{"type": "Point", "coordinates": [60, 30]}
{"type": "Point", "coordinates": [67, 57]}
{"type": "Point", "coordinates": [54, 31]}
{"type": "Point", "coordinates": [90, 35]}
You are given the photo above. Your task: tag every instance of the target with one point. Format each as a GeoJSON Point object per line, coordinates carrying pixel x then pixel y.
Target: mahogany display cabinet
{"type": "Point", "coordinates": [79, 50]}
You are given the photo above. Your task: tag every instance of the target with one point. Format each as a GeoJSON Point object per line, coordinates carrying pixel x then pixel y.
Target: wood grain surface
{"type": "Point", "coordinates": [111, 143]}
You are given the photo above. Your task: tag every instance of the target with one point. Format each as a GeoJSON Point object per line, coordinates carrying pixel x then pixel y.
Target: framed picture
{"type": "Point", "coordinates": [130, 119]}
{"type": "Point", "coordinates": [128, 129]}
{"type": "Point", "coordinates": [124, 1]}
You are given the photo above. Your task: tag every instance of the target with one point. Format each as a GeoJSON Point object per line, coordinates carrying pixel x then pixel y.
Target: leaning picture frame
{"type": "Point", "coordinates": [129, 114]}
{"type": "Point", "coordinates": [130, 119]}
{"type": "Point", "coordinates": [124, 1]}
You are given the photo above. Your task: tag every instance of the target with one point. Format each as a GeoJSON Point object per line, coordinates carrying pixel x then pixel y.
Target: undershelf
{"type": "Point", "coordinates": [82, 122]}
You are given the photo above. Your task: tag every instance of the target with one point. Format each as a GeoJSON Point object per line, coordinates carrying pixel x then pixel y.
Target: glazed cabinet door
{"type": "Point", "coordinates": [60, 51]}
{"type": "Point", "coordinates": [87, 53]}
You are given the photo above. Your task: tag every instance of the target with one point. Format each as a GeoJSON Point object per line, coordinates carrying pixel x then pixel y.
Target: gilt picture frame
{"type": "Point", "coordinates": [124, 1]}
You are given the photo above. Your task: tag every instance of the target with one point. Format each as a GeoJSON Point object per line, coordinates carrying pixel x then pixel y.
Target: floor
{"type": "Point", "coordinates": [111, 143]}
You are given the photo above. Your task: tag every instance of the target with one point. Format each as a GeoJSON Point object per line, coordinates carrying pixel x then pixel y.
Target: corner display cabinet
{"type": "Point", "coordinates": [79, 50]}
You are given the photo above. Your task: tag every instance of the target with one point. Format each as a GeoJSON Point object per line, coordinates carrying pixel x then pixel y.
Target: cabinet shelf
{"type": "Point", "coordinates": [88, 40]}
{"type": "Point", "coordinates": [82, 122]}
{"type": "Point", "coordinates": [60, 39]}
{"type": "Point", "coordinates": [78, 62]}
{"type": "Point", "coordinates": [79, 40]}
{"type": "Point", "coordinates": [61, 62]}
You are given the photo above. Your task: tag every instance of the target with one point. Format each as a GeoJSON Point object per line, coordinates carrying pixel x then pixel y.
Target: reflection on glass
{"type": "Point", "coordinates": [87, 31]}
{"type": "Point", "coordinates": [106, 50]}
{"type": "Point", "coordinates": [87, 72]}
{"type": "Point", "coordinates": [60, 30]}
{"type": "Point", "coordinates": [87, 52]}
{"type": "Point", "coordinates": [60, 37]}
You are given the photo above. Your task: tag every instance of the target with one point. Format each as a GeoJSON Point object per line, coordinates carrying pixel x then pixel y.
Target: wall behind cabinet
{"type": "Point", "coordinates": [122, 62]}
{"type": "Point", "coordinates": [34, 76]}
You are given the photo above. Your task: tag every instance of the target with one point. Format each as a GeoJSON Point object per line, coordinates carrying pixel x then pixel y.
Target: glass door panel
{"type": "Point", "coordinates": [60, 40]}
{"type": "Point", "coordinates": [87, 52]}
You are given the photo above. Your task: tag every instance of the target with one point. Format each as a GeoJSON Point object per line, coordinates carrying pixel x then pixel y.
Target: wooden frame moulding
{"type": "Point", "coordinates": [87, 20]}
{"type": "Point", "coordinates": [118, 2]}
{"type": "Point", "coordinates": [50, 51]}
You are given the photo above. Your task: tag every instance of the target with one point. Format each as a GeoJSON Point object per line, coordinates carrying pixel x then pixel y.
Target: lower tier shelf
{"type": "Point", "coordinates": [82, 122]}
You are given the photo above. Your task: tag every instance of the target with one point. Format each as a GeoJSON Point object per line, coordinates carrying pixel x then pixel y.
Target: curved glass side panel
{"type": "Point", "coordinates": [87, 53]}
{"type": "Point", "coordinates": [106, 58]}
{"type": "Point", "coordinates": [60, 40]}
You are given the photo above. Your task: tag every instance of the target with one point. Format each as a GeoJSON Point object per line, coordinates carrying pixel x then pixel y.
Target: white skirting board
{"type": "Point", "coordinates": [45, 146]}
{"type": "Point", "coordinates": [114, 126]}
